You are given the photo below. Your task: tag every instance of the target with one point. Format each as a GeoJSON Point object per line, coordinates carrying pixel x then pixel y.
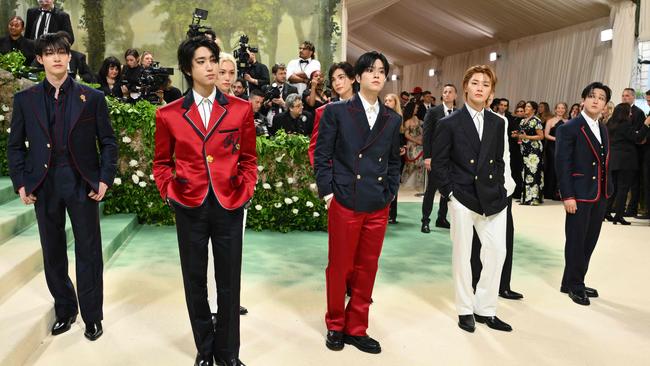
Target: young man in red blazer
{"type": "Point", "coordinates": [205, 167]}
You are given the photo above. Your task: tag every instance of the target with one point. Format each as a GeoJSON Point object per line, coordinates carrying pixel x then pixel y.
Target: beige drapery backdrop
{"type": "Point", "coordinates": [624, 50]}
{"type": "Point", "coordinates": [644, 21]}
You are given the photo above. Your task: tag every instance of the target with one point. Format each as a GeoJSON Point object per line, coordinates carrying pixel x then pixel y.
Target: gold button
{"type": "Point", "coordinates": [358, 177]}
{"type": "Point", "coordinates": [491, 161]}
{"type": "Point", "coordinates": [476, 177]}
{"type": "Point", "coordinates": [594, 163]}
{"type": "Point", "coordinates": [380, 179]}
{"type": "Point", "coordinates": [490, 176]}
{"type": "Point", "coordinates": [380, 159]}
{"type": "Point", "coordinates": [471, 161]}
{"type": "Point", "coordinates": [594, 177]}
{"type": "Point", "coordinates": [210, 159]}
{"type": "Point", "coordinates": [48, 146]}
{"type": "Point", "coordinates": [45, 165]}
{"type": "Point", "coordinates": [360, 156]}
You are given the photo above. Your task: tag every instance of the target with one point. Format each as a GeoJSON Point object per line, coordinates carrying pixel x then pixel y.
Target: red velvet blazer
{"type": "Point", "coordinates": [190, 158]}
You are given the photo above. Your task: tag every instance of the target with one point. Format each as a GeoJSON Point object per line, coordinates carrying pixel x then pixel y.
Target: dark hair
{"type": "Point", "coordinates": [630, 90]}
{"type": "Point", "coordinates": [131, 52]}
{"type": "Point", "coordinates": [186, 51]}
{"type": "Point", "coordinates": [451, 85]}
{"type": "Point", "coordinates": [405, 93]}
{"type": "Point", "coordinates": [345, 66]}
{"type": "Point", "coordinates": [532, 104]}
{"type": "Point", "coordinates": [107, 64]}
{"type": "Point", "coordinates": [620, 115]}
{"type": "Point", "coordinates": [408, 111]}
{"type": "Point", "coordinates": [310, 46]}
{"type": "Point", "coordinates": [240, 80]}
{"type": "Point", "coordinates": [647, 92]}
{"type": "Point", "coordinates": [367, 60]}
{"type": "Point", "coordinates": [598, 85]}
{"type": "Point", "coordinates": [212, 33]}
{"type": "Point", "coordinates": [256, 93]}
{"type": "Point", "coordinates": [505, 100]}
{"type": "Point", "coordinates": [66, 35]}
{"type": "Point", "coordinates": [277, 67]}
{"type": "Point", "coordinates": [51, 41]}
{"type": "Point", "coordinates": [495, 103]}
{"type": "Point", "coordinates": [426, 92]}
{"type": "Point", "coordinates": [546, 106]}
{"type": "Point", "coordinates": [16, 17]}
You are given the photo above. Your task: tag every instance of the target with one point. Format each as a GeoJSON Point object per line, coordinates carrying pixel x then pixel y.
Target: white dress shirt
{"type": "Point", "coordinates": [447, 109]}
{"type": "Point", "coordinates": [593, 125]}
{"type": "Point", "coordinates": [372, 110]}
{"type": "Point", "coordinates": [205, 105]}
{"type": "Point", "coordinates": [477, 117]}
{"type": "Point", "coordinates": [510, 184]}
{"type": "Point", "coordinates": [294, 66]}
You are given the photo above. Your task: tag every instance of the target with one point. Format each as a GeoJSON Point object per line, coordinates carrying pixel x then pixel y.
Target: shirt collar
{"type": "Point", "coordinates": [198, 98]}
{"type": "Point", "coordinates": [588, 119]}
{"type": "Point", "coordinates": [473, 112]}
{"type": "Point", "coordinates": [446, 107]}
{"type": "Point", "coordinates": [367, 104]}
{"type": "Point", "coordinates": [65, 87]}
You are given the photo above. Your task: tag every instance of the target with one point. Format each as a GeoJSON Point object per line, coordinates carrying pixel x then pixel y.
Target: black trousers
{"type": "Point", "coordinates": [427, 202]}
{"type": "Point", "coordinates": [64, 190]}
{"type": "Point", "coordinates": [622, 182]}
{"type": "Point", "coordinates": [637, 182]}
{"type": "Point", "coordinates": [475, 260]}
{"type": "Point", "coordinates": [582, 230]}
{"type": "Point", "coordinates": [195, 226]}
{"type": "Point", "coordinates": [392, 212]}
{"type": "Point", "coordinates": [645, 167]}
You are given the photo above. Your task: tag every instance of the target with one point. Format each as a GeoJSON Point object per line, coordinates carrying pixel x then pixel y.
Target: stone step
{"type": "Point", "coordinates": [27, 315]}
{"type": "Point", "coordinates": [6, 190]}
{"type": "Point", "coordinates": [15, 217]}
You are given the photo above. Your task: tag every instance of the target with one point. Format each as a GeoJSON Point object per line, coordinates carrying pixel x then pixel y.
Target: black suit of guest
{"type": "Point", "coordinates": [635, 189]}
{"type": "Point", "coordinates": [22, 44]}
{"type": "Point", "coordinates": [582, 167]}
{"type": "Point", "coordinates": [60, 167]}
{"type": "Point", "coordinates": [516, 159]}
{"type": "Point", "coordinates": [431, 119]}
{"type": "Point", "coordinates": [624, 136]}
{"type": "Point", "coordinates": [50, 22]}
{"type": "Point", "coordinates": [302, 125]}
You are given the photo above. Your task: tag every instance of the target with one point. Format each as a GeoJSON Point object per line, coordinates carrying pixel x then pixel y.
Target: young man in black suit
{"type": "Point", "coordinates": [432, 117]}
{"type": "Point", "coordinates": [468, 166]}
{"type": "Point", "coordinates": [581, 163]}
{"type": "Point", "coordinates": [47, 19]}
{"type": "Point", "coordinates": [357, 165]}
{"type": "Point", "coordinates": [65, 123]}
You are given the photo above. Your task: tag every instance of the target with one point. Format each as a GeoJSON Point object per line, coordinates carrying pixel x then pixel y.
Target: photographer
{"type": "Point", "coordinates": [257, 75]}
{"type": "Point", "coordinates": [167, 92]}
{"type": "Point", "coordinates": [239, 89]}
{"type": "Point", "coordinates": [277, 105]}
{"type": "Point", "coordinates": [261, 123]}
{"type": "Point", "coordinates": [295, 120]}
{"type": "Point", "coordinates": [147, 59]}
{"type": "Point", "coordinates": [131, 71]}
{"type": "Point", "coordinates": [315, 96]}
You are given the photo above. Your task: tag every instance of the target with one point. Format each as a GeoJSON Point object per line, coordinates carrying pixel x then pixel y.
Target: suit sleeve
{"type": "Point", "coordinates": [500, 162]}
{"type": "Point", "coordinates": [29, 27]}
{"type": "Point", "coordinates": [248, 153]}
{"type": "Point", "coordinates": [427, 134]}
{"type": "Point", "coordinates": [565, 141]}
{"type": "Point", "coordinates": [327, 131]}
{"type": "Point", "coordinates": [107, 143]}
{"type": "Point", "coordinates": [314, 136]}
{"type": "Point", "coordinates": [441, 157]}
{"type": "Point", "coordinates": [84, 70]}
{"type": "Point", "coordinates": [16, 149]}
{"type": "Point", "coordinates": [394, 162]}
{"type": "Point", "coordinates": [66, 25]}
{"type": "Point", "coordinates": [163, 162]}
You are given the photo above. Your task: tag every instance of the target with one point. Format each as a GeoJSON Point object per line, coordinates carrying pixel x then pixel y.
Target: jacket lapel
{"type": "Point", "coordinates": [359, 118]}
{"type": "Point", "coordinates": [77, 104]}
{"type": "Point", "coordinates": [218, 112]}
{"type": "Point", "coordinates": [467, 123]}
{"type": "Point", "coordinates": [489, 128]}
{"type": "Point", "coordinates": [378, 127]}
{"type": "Point", "coordinates": [192, 115]}
{"type": "Point", "coordinates": [38, 106]}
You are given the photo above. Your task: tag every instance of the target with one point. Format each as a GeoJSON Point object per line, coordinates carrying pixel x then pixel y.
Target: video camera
{"type": "Point", "coordinates": [271, 92]}
{"type": "Point", "coordinates": [196, 29]}
{"type": "Point", "coordinates": [152, 79]}
{"type": "Point", "coordinates": [241, 55]}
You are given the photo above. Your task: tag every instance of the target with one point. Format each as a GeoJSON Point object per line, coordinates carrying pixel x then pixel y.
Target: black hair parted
{"type": "Point", "coordinates": [534, 105]}
{"type": "Point", "coordinates": [51, 42]}
{"type": "Point", "coordinates": [347, 68]}
{"type": "Point", "coordinates": [367, 60]}
{"type": "Point", "coordinates": [186, 51]}
{"type": "Point", "coordinates": [597, 85]}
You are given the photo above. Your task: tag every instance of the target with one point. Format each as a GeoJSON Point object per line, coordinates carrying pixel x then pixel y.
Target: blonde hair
{"type": "Point", "coordinates": [226, 57]}
{"type": "Point", "coordinates": [480, 69]}
{"type": "Point", "coordinates": [394, 98]}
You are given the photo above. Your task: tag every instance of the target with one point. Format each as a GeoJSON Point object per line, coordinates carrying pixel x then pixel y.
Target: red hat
{"type": "Point", "coordinates": [417, 90]}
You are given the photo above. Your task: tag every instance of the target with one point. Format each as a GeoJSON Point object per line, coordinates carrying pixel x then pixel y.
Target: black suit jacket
{"type": "Point", "coordinates": [59, 21]}
{"type": "Point", "coordinates": [24, 45]}
{"type": "Point", "coordinates": [360, 166]}
{"type": "Point", "coordinates": [470, 168]}
{"type": "Point", "coordinates": [577, 161]}
{"type": "Point", "coordinates": [434, 114]}
{"type": "Point", "coordinates": [90, 128]}
{"type": "Point", "coordinates": [624, 137]}
{"type": "Point", "coordinates": [78, 66]}
{"type": "Point", "coordinates": [288, 89]}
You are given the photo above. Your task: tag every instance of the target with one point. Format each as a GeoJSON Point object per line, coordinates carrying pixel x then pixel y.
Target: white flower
{"type": "Point", "coordinates": [133, 163]}
{"type": "Point", "coordinates": [288, 201]}
{"type": "Point", "coordinates": [295, 198]}
{"type": "Point", "coordinates": [290, 180]}
{"type": "Point", "coordinates": [277, 205]}
{"type": "Point", "coordinates": [151, 177]}
{"type": "Point", "coordinates": [135, 179]}
{"type": "Point", "coordinates": [529, 179]}
{"type": "Point", "coordinates": [266, 186]}
{"type": "Point", "coordinates": [279, 158]}
{"type": "Point", "coordinates": [260, 168]}
{"type": "Point", "coordinates": [140, 173]}
{"type": "Point", "coordinates": [309, 204]}
{"type": "Point", "coordinates": [8, 130]}
{"type": "Point", "coordinates": [295, 211]}
{"type": "Point", "coordinates": [150, 204]}
{"type": "Point", "coordinates": [142, 184]}
{"type": "Point", "coordinates": [316, 214]}
{"type": "Point", "coordinates": [117, 181]}
{"type": "Point", "coordinates": [312, 186]}
{"type": "Point", "coordinates": [126, 140]}
{"type": "Point", "coordinates": [5, 108]}
{"type": "Point", "coordinates": [278, 184]}
{"type": "Point", "coordinates": [2, 117]}
{"type": "Point", "coordinates": [258, 207]}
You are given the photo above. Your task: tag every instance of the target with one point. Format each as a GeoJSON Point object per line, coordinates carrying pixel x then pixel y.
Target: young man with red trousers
{"type": "Point", "coordinates": [205, 167]}
{"type": "Point", "coordinates": [357, 165]}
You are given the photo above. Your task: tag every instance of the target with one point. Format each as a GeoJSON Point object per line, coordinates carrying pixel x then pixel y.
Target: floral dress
{"type": "Point", "coordinates": [533, 172]}
{"type": "Point", "coordinates": [413, 174]}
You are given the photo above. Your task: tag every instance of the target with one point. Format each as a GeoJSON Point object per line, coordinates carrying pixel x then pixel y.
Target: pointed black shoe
{"type": "Point", "coordinates": [363, 343]}
{"type": "Point", "coordinates": [443, 223]}
{"type": "Point", "coordinates": [493, 322]}
{"type": "Point", "coordinates": [229, 362]}
{"type": "Point", "coordinates": [466, 323]}
{"type": "Point", "coordinates": [579, 297]}
{"type": "Point", "coordinates": [511, 295]}
{"type": "Point", "coordinates": [334, 340]}
{"type": "Point", "coordinates": [203, 360]}
{"type": "Point", "coordinates": [620, 220]}
{"type": "Point", "coordinates": [609, 217]}
{"type": "Point", "coordinates": [62, 325]}
{"type": "Point", "coordinates": [591, 292]}
{"type": "Point", "coordinates": [243, 310]}
{"type": "Point", "coordinates": [425, 228]}
{"type": "Point", "coordinates": [93, 330]}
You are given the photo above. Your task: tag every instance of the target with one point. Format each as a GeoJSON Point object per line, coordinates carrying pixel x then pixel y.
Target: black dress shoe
{"type": "Point", "coordinates": [334, 340]}
{"type": "Point", "coordinates": [466, 323]}
{"type": "Point", "coordinates": [229, 362]}
{"type": "Point", "coordinates": [493, 322]}
{"type": "Point", "coordinates": [243, 310]}
{"type": "Point", "coordinates": [203, 360]}
{"type": "Point", "coordinates": [579, 297]}
{"type": "Point", "coordinates": [392, 221]}
{"type": "Point", "coordinates": [62, 325]}
{"type": "Point", "coordinates": [93, 330]}
{"type": "Point", "coordinates": [443, 223]}
{"type": "Point", "coordinates": [363, 343]}
{"type": "Point", "coordinates": [591, 292]}
{"type": "Point", "coordinates": [425, 228]}
{"type": "Point", "coordinates": [620, 220]}
{"type": "Point", "coordinates": [609, 217]}
{"type": "Point", "coordinates": [511, 295]}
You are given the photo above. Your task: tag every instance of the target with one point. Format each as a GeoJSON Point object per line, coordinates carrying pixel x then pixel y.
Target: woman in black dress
{"type": "Point", "coordinates": [551, 187]}
{"type": "Point", "coordinates": [624, 136]}
{"type": "Point", "coordinates": [531, 134]}
{"type": "Point", "coordinates": [108, 77]}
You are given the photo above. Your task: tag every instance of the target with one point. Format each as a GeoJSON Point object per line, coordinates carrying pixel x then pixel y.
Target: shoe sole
{"type": "Point", "coordinates": [334, 347]}
{"type": "Point", "coordinates": [373, 351]}
{"type": "Point", "coordinates": [467, 329]}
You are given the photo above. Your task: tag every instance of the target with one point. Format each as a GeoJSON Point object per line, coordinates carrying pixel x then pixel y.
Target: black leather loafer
{"type": "Point", "coordinates": [202, 360]}
{"type": "Point", "coordinates": [363, 343]}
{"type": "Point", "coordinates": [511, 295]}
{"type": "Point", "coordinates": [93, 330]}
{"type": "Point", "coordinates": [229, 362]}
{"type": "Point", "coordinates": [334, 340]}
{"type": "Point", "coordinates": [443, 223]}
{"type": "Point", "coordinates": [579, 297]}
{"type": "Point", "coordinates": [62, 325]}
{"type": "Point", "coordinates": [591, 292]}
{"type": "Point", "coordinates": [425, 228]}
{"type": "Point", "coordinates": [243, 310]}
{"type": "Point", "coordinates": [466, 323]}
{"type": "Point", "coordinates": [493, 322]}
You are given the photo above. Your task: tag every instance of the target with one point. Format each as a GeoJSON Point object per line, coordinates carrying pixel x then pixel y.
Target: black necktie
{"type": "Point", "coordinates": [449, 111]}
{"type": "Point", "coordinates": [304, 61]}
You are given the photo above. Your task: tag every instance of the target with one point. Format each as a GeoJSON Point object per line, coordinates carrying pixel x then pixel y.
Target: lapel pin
{"type": "Point", "coordinates": [83, 98]}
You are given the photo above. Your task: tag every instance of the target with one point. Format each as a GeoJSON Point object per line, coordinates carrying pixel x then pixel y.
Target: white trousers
{"type": "Point", "coordinates": [491, 231]}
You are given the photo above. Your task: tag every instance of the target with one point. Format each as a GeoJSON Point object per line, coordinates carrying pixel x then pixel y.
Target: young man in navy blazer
{"type": "Point", "coordinates": [63, 123]}
{"type": "Point", "coordinates": [582, 165]}
{"type": "Point", "coordinates": [467, 164]}
{"type": "Point", "coordinates": [357, 165]}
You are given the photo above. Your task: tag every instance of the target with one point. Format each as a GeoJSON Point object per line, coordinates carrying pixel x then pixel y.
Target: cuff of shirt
{"type": "Point", "coordinates": [328, 197]}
